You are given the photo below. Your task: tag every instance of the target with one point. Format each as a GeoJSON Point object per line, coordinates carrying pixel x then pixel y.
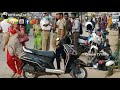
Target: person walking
{"type": "Point", "coordinates": [46, 27]}
{"type": "Point", "coordinates": [75, 30]}
{"type": "Point", "coordinates": [14, 49]}
{"type": "Point", "coordinates": [4, 26]}
{"type": "Point", "coordinates": [37, 35]}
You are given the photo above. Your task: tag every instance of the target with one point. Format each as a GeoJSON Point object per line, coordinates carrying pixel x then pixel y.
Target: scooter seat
{"type": "Point", "coordinates": [84, 37]}
{"type": "Point", "coordinates": [50, 54]}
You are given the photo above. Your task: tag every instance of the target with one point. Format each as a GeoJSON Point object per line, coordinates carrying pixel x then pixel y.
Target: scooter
{"type": "Point", "coordinates": [37, 63]}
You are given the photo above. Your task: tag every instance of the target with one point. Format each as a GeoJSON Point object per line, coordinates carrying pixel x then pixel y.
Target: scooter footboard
{"type": "Point", "coordinates": [33, 69]}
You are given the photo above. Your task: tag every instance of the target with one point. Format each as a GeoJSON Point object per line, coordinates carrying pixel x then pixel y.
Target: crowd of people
{"type": "Point", "coordinates": [15, 35]}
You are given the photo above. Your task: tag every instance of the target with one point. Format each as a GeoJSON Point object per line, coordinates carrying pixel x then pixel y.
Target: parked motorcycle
{"type": "Point", "coordinates": [86, 42]}
{"type": "Point", "coordinates": [114, 26]}
{"type": "Point", "coordinates": [37, 63]}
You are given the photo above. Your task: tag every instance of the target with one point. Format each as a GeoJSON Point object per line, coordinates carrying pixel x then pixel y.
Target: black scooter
{"type": "Point", "coordinates": [37, 63]}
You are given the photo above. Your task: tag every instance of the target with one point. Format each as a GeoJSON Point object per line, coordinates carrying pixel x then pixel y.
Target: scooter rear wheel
{"type": "Point", "coordinates": [29, 75]}
{"type": "Point", "coordinates": [79, 72]}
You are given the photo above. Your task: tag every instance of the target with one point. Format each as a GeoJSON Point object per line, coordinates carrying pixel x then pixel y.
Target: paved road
{"type": "Point", "coordinates": [5, 72]}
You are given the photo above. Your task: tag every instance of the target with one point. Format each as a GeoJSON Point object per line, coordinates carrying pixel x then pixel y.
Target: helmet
{"type": "Point", "coordinates": [110, 63]}
{"type": "Point", "coordinates": [5, 13]}
{"type": "Point", "coordinates": [89, 25]}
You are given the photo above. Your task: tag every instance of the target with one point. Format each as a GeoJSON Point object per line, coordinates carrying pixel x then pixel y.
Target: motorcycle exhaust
{"type": "Point", "coordinates": [55, 71]}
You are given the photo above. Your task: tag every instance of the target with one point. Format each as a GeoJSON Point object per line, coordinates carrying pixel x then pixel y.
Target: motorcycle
{"type": "Point", "coordinates": [86, 42]}
{"type": "Point", "coordinates": [114, 26]}
{"type": "Point", "coordinates": [37, 63]}
{"type": "Point", "coordinates": [94, 48]}
{"type": "Point", "coordinates": [95, 58]}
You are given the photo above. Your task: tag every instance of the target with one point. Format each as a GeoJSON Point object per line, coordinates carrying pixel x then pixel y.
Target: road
{"type": "Point", "coordinates": [5, 72]}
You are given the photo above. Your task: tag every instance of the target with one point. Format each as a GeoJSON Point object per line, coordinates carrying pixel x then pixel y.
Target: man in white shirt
{"type": "Point", "coordinates": [75, 30]}
{"type": "Point", "coordinates": [4, 26]}
{"type": "Point", "coordinates": [46, 27]}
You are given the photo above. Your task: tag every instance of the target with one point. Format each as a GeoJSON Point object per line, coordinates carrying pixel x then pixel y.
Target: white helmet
{"type": "Point", "coordinates": [5, 13]}
{"type": "Point", "coordinates": [89, 23]}
{"type": "Point", "coordinates": [109, 63]}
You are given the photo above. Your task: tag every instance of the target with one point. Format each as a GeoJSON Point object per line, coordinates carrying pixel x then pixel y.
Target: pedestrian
{"type": "Point", "coordinates": [14, 49]}
{"type": "Point", "coordinates": [4, 26]}
{"type": "Point", "coordinates": [93, 22]}
{"type": "Point", "coordinates": [55, 30]}
{"type": "Point", "coordinates": [37, 35]}
{"type": "Point", "coordinates": [75, 31]}
{"type": "Point", "coordinates": [46, 27]}
{"type": "Point", "coordinates": [61, 33]}
{"type": "Point", "coordinates": [68, 25]}
{"type": "Point", "coordinates": [103, 24]}
{"type": "Point", "coordinates": [104, 18]}
{"type": "Point", "coordinates": [109, 20]}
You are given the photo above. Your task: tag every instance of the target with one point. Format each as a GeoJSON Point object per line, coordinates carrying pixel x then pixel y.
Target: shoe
{"type": "Point", "coordinates": [13, 75]}
{"type": "Point", "coordinates": [95, 66]}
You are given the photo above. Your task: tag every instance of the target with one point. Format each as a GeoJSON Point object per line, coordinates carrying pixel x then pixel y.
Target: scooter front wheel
{"type": "Point", "coordinates": [29, 75]}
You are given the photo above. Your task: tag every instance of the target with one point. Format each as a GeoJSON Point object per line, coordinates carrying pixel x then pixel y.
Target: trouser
{"type": "Point", "coordinates": [14, 64]}
{"type": "Point", "coordinates": [76, 35]}
{"type": "Point", "coordinates": [5, 38]}
{"type": "Point", "coordinates": [54, 41]}
{"type": "Point", "coordinates": [45, 40]}
{"type": "Point", "coordinates": [60, 53]}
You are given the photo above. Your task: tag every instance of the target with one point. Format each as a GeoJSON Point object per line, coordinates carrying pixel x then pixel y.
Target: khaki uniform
{"type": "Point", "coordinates": [45, 40]}
{"type": "Point", "coordinates": [60, 26]}
{"type": "Point", "coordinates": [45, 34]}
{"type": "Point", "coordinates": [6, 37]}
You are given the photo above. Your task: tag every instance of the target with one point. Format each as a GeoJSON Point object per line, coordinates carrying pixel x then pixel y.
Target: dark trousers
{"type": "Point", "coordinates": [76, 35]}
{"type": "Point", "coordinates": [60, 52]}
